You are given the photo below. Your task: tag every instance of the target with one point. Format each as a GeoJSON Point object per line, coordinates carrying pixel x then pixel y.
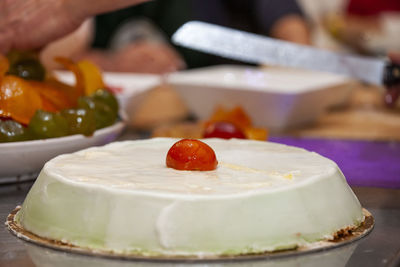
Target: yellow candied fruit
{"type": "Point", "coordinates": [92, 76]}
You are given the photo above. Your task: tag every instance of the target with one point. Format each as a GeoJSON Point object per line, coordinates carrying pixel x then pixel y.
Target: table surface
{"type": "Point", "coordinates": [365, 117]}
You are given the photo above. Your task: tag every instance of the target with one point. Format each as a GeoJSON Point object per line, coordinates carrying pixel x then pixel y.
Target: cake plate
{"type": "Point", "coordinates": [342, 238]}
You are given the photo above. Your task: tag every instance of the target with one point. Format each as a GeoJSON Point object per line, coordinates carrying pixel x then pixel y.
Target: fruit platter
{"type": "Point", "coordinates": [41, 117]}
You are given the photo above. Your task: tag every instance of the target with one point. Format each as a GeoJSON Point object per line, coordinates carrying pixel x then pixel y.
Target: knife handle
{"type": "Point", "coordinates": [391, 76]}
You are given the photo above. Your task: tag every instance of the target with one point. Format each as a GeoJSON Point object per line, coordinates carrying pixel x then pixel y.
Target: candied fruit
{"type": "Point", "coordinates": [191, 155]}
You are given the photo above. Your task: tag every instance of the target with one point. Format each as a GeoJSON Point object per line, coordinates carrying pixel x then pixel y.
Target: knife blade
{"type": "Point", "coordinates": [257, 49]}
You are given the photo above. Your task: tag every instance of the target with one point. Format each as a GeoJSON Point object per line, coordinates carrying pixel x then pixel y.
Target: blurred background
{"type": "Point", "coordinates": [136, 39]}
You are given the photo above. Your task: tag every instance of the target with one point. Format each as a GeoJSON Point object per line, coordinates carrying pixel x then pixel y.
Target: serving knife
{"type": "Point", "coordinates": [257, 49]}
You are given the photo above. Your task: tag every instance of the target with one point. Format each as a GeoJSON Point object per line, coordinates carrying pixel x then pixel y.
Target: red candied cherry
{"type": "Point", "coordinates": [191, 155]}
{"type": "Point", "coordinates": [225, 130]}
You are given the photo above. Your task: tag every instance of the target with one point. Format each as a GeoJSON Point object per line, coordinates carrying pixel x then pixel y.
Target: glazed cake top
{"type": "Point", "coordinates": [243, 166]}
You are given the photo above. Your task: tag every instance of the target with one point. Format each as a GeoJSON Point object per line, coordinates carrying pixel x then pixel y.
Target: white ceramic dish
{"type": "Point", "coordinates": [18, 158]}
{"type": "Point", "coordinates": [273, 97]}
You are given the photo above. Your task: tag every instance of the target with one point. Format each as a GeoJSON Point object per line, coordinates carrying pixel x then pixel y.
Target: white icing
{"type": "Point", "coordinates": [161, 222]}
{"type": "Point", "coordinates": [240, 169]}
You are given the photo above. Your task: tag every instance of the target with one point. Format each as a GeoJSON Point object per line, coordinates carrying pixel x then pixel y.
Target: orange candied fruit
{"type": "Point", "coordinates": [253, 133]}
{"type": "Point", "coordinates": [237, 117]}
{"type": "Point", "coordinates": [17, 100]}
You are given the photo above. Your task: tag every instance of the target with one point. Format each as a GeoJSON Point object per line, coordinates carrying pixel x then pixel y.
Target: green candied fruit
{"type": "Point", "coordinates": [12, 131]}
{"type": "Point", "coordinates": [28, 70]}
{"type": "Point", "coordinates": [48, 125]}
{"type": "Point", "coordinates": [26, 65]}
{"type": "Point", "coordinates": [108, 98]}
{"type": "Point", "coordinates": [80, 121]}
{"type": "Point", "coordinates": [103, 114]}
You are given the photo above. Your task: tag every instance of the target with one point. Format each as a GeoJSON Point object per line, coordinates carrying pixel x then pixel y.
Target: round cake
{"type": "Point", "coordinates": [123, 198]}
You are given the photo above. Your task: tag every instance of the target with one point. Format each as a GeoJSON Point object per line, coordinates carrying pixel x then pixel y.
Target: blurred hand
{"type": "Point", "coordinates": [26, 24]}
{"type": "Point", "coordinates": [30, 24]}
{"type": "Point", "coordinates": [141, 57]}
{"type": "Point", "coordinates": [292, 28]}
{"type": "Point", "coordinates": [148, 57]}
{"type": "Point", "coordinates": [69, 46]}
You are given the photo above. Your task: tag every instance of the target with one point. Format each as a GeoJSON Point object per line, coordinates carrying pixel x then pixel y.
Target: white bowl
{"type": "Point", "coordinates": [19, 158]}
{"type": "Point", "coordinates": [276, 98]}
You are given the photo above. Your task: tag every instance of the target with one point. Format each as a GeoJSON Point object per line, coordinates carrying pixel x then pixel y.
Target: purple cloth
{"type": "Point", "coordinates": [364, 163]}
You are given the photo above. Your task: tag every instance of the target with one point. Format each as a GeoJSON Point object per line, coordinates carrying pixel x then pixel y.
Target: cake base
{"type": "Point", "coordinates": [342, 237]}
